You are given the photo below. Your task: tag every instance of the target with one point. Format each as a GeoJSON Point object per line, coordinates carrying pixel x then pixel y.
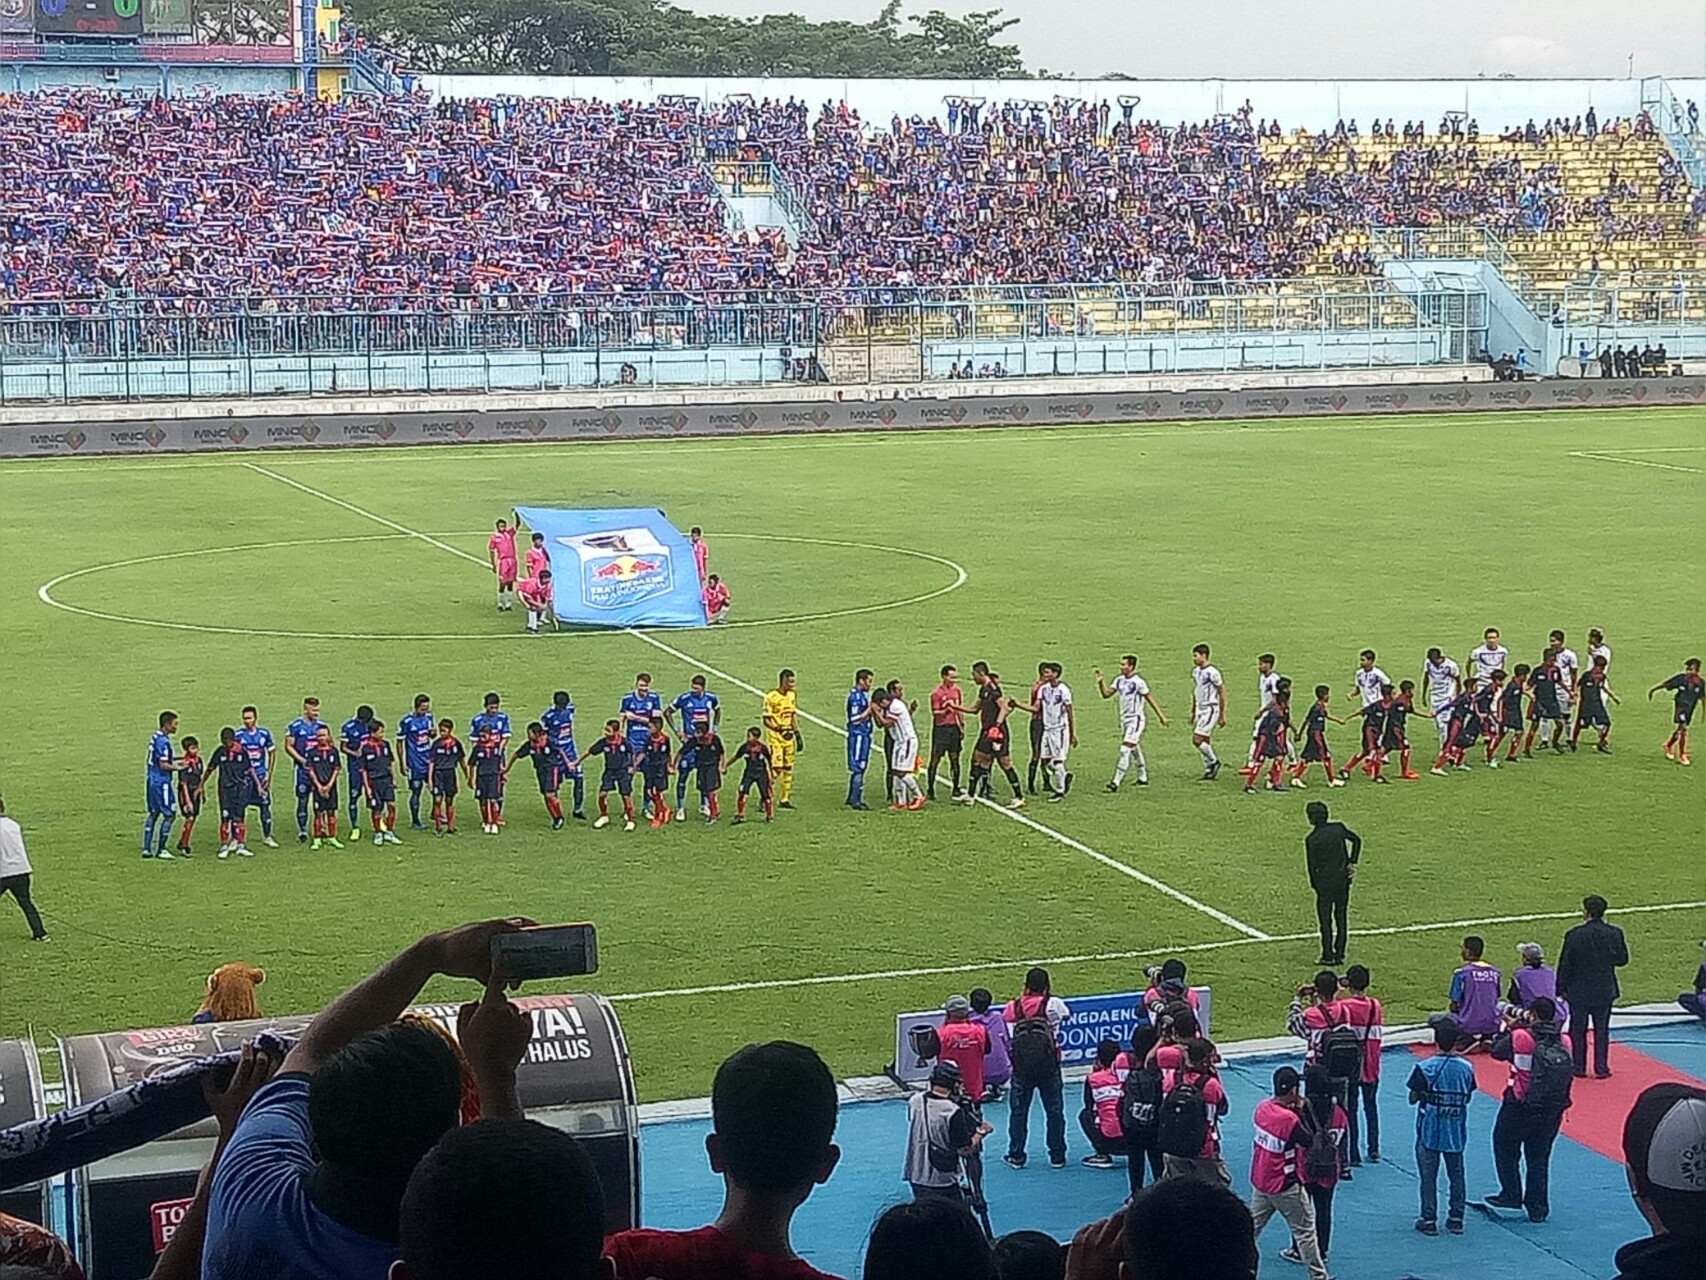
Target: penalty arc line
{"type": "Point", "coordinates": [1249, 931]}
{"type": "Point", "coordinates": [1109, 957]}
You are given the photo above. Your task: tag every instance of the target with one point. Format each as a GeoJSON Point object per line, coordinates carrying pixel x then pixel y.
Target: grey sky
{"type": "Point", "coordinates": [1340, 39]}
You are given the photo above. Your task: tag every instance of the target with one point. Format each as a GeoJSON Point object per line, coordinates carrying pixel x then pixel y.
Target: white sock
{"type": "Point", "coordinates": [1207, 749]}
{"type": "Point", "coordinates": [1142, 765]}
{"type": "Point", "coordinates": [1058, 769]}
{"type": "Point", "coordinates": [1124, 764]}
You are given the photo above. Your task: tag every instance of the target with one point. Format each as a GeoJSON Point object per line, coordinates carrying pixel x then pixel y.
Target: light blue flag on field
{"type": "Point", "coordinates": [618, 567]}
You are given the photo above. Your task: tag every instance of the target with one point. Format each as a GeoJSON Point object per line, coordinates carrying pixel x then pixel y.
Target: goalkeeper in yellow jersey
{"type": "Point", "coordinates": [782, 735]}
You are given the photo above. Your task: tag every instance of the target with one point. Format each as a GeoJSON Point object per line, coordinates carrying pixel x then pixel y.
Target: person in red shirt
{"type": "Point", "coordinates": [773, 1111]}
{"type": "Point", "coordinates": [1321, 1111]}
{"type": "Point", "coordinates": [715, 594]}
{"type": "Point", "coordinates": [947, 731]}
{"type": "Point", "coordinates": [964, 1043]}
{"type": "Point", "coordinates": [1365, 1016]}
{"type": "Point", "coordinates": [1207, 1164]}
{"type": "Point", "coordinates": [1100, 1117]}
{"type": "Point", "coordinates": [1275, 1185]}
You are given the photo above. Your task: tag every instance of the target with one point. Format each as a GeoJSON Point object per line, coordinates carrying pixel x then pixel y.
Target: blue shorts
{"type": "Point", "coordinates": [163, 798]}
{"type": "Point", "coordinates": [304, 784]}
{"type": "Point", "coordinates": [258, 797]}
{"type": "Point", "coordinates": [420, 775]}
{"type": "Point", "coordinates": [858, 752]}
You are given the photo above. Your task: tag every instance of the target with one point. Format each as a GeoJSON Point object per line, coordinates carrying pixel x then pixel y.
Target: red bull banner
{"type": "Point", "coordinates": [618, 567]}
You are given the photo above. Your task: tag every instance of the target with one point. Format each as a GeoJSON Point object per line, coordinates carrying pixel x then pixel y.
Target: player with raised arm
{"type": "Point", "coordinates": [947, 732]}
{"type": "Point", "coordinates": [1688, 686]}
{"type": "Point", "coordinates": [697, 708]}
{"type": "Point", "coordinates": [486, 777]}
{"type": "Point", "coordinates": [755, 759]}
{"type": "Point", "coordinates": [1512, 689]}
{"type": "Point", "coordinates": [378, 776]}
{"type": "Point", "coordinates": [860, 727]}
{"type": "Point", "coordinates": [559, 722]}
{"type": "Point", "coordinates": [192, 791]}
{"type": "Point", "coordinates": [1315, 748]}
{"type": "Point", "coordinates": [351, 735]}
{"type": "Point", "coordinates": [448, 760]}
{"type": "Point", "coordinates": [161, 791]}
{"type": "Point", "coordinates": [1489, 656]}
{"type": "Point", "coordinates": [298, 734]}
{"type": "Point", "coordinates": [414, 738]}
{"type": "Point", "coordinates": [654, 765]}
{"type": "Point", "coordinates": [1133, 692]}
{"type": "Point", "coordinates": [257, 741]}
{"type": "Point", "coordinates": [1443, 680]}
{"type": "Point", "coordinates": [618, 773]}
{"type": "Point", "coordinates": [1591, 712]}
{"type": "Point", "coordinates": [1209, 706]}
{"type": "Point", "coordinates": [994, 745]}
{"type": "Point", "coordinates": [539, 749]}
{"type": "Point", "coordinates": [500, 550]}
{"type": "Point", "coordinates": [323, 762]}
{"type": "Point", "coordinates": [1569, 670]}
{"type": "Point", "coordinates": [235, 771]}
{"type": "Point", "coordinates": [782, 734]}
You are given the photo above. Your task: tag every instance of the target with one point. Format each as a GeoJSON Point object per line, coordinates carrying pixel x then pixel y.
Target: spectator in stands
{"type": "Point", "coordinates": [773, 1113]}
{"type": "Point", "coordinates": [1180, 1229]}
{"type": "Point", "coordinates": [1029, 1255]}
{"type": "Point", "coordinates": [998, 1066]}
{"type": "Point", "coordinates": [314, 1173]}
{"type": "Point", "coordinates": [964, 1042]}
{"type": "Point", "coordinates": [1100, 1115]}
{"type": "Point", "coordinates": [1607, 361]}
{"type": "Point", "coordinates": [934, 1238]}
{"type": "Point", "coordinates": [1276, 1188]}
{"type": "Point", "coordinates": [15, 872]}
{"type": "Point", "coordinates": [505, 1197]}
{"type": "Point", "coordinates": [1440, 1090]}
{"type": "Point", "coordinates": [1364, 1015]}
{"type": "Point", "coordinates": [1695, 1001]}
{"type": "Point", "coordinates": [1593, 952]}
{"type": "Point", "coordinates": [1036, 1016]}
{"type": "Point", "coordinates": [1475, 993]}
{"type": "Point", "coordinates": [1533, 1106]}
{"type": "Point", "coordinates": [231, 994]}
{"type": "Point", "coordinates": [1663, 1136]}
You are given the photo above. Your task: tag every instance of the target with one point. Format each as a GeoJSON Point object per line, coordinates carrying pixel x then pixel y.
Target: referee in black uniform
{"type": "Point", "coordinates": [1333, 849]}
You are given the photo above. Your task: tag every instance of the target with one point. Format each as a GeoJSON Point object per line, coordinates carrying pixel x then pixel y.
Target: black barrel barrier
{"type": "Point", "coordinates": [21, 1101]}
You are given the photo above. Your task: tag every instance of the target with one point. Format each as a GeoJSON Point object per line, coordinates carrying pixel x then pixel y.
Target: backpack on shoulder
{"type": "Point", "coordinates": [1341, 1052]}
{"type": "Point", "coordinates": [1550, 1075]}
{"type": "Point", "coordinates": [1034, 1052]}
{"type": "Point", "coordinates": [1140, 1104]}
{"type": "Point", "coordinates": [1183, 1127]}
{"type": "Point", "coordinates": [1321, 1157]}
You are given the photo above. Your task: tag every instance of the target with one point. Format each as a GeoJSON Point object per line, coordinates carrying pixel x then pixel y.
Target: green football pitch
{"type": "Point", "coordinates": [204, 583]}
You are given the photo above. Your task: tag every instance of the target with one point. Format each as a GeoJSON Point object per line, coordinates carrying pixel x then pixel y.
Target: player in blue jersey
{"type": "Point", "coordinates": [559, 725]}
{"type": "Point", "coordinates": [162, 789]}
{"type": "Point", "coordinates": [496, 720]}
{"type": "Point", "coordinates": [860, 727]}
{"type": "Point", "coordinates": [298, 737]}
{"type": "Point", "coordinates": [636, 714]}
{"type": "Point", "coordinates": [698, 708]}
{"type": "Point", "coordinates": [414, 736]}
{"type": "Point", "coordinates": [355, 732]}
{"type": "Point", "coordinates": [257, 741]}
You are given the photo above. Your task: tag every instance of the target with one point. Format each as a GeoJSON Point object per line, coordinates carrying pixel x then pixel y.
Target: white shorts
{"type": "Point", "coordinates": [1131, 731]}
{"type": "Point", "coordinates": [1206, 720]}
{"type": "Point", "coordinates": [903, 756]}
{"type": "Point", "coordinates": [1054, 743]}
{"type": "Point", "coordinates": [1442, 721]}
{"type": "Point", "coordinates": [1564, 701]}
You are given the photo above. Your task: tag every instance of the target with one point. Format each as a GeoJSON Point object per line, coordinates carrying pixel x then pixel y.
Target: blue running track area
{"type": "Point", "coordinates": [1374, 1215]}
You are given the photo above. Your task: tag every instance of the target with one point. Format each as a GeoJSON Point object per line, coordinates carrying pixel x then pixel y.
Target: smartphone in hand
{"type": "Point", "coordinates": [546, 951]}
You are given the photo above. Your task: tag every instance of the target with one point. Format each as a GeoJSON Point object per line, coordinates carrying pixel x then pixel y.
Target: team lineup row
{"type": "Point", "coordinates": [1531, 706]}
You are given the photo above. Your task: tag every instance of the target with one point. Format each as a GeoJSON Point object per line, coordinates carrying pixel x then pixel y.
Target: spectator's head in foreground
{"type": "Point", "coordinates": [505, 1197]}
{"type": "Point", "coordinates": [1029, 1255]}
{"type": "Point", "coordinates": [773, 1110]}
{"type": "Point", "coordinates": [934, 1238]}
{"type": "Point", "coordinates": [1188, 1229]}
{"type": "Point", "coordinates": [1664, 1151]}
{"type": "Point", "coordinates": [376, 1106]}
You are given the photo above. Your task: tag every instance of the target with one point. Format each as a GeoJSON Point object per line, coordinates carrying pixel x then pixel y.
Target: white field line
{"type": "Point", "coordinates": [1109, 957]}
{"type": "Point", "coordinates": [1592, 456]}
{"type": "Point", "coordinates": [1183, 429]}
{"type": "Point", "coordinates": [1231, 922]}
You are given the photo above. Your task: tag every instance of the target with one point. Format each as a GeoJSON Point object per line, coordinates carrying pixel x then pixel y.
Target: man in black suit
{"type": "Point", "coordinates": [1333, 850]}
{"type": "Point", "coordinates": [1587, 980]}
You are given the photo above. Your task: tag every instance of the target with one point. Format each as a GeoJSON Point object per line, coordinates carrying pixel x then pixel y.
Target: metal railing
{"type": "Point", "coordinates": [140, 348]}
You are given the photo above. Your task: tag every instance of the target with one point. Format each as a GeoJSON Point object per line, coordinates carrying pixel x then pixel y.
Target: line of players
{"type": "Point", "coordinates": [646, 738]}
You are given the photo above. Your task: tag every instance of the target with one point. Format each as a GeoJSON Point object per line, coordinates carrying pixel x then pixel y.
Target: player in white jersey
{"type": "Point", "coordinates": [1133, 693]}
{"type": "Point", "coordinates": [896, 716]}
{"type": "Point", "coordinates": [1569, 670]}
{"type": "Point", "coordinates": [1597, 648]}
{"type": "Point", "coordinates": [1369, 679]}
{"type": "Point", "coordinates": [1060, 730]}
{"type": "Point", "coordinates": [1489, 657]}
{"type": "Point", "coordinates": [1268, 681]}
{"type": "Point", "coordinates": [1208, 710]}
{"type": "Point", "coordinates": [1443, 680]}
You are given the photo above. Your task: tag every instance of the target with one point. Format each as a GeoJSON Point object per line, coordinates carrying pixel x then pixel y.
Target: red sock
{"type": "Point", "coordinates": [769, 805]}
{"type": "Point", "coordinates": [241, 831]}
{"type": "Point", "coordinates": [1274, 774]}
{"type": "Point", "coordinates": [628, 807]}
{"type": "Point", "coordinates": [716, 812]}
{"type": "Point", "coordinates": [554, 807]}
{"type": "Point", "coordinates": [604, 804]}
{"type": "Point", "coordinates": [1528, 742]}
{"type": "Point", "coordinates": [1353, 762]}
{"type": "Point", "coordinates": [1379, 765]}
{"type": "Point", "coordinates": [740, 805]}
{"type": "Point", "coordinates": [1404, 760]}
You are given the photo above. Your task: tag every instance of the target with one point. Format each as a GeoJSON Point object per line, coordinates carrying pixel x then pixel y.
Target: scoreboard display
{"type": "Point", "coordinates": [89, 17]}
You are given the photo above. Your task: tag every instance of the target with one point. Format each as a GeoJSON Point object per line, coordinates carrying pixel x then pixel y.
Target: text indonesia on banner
{"type": "Point", "coordinates": [619, 567]}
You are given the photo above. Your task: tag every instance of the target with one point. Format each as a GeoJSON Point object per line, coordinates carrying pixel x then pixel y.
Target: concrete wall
{"type": "Point", "coordinates": [148, 78]}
